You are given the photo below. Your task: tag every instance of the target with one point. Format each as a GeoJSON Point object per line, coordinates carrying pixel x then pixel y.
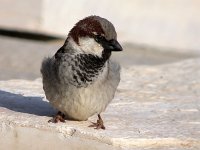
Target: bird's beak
{"type": "Point", "coordinates": [115, 46]}
{"type": "Point", "coordinates": [112, 45]}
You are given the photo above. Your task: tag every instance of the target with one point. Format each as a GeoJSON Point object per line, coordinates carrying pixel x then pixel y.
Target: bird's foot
{"type": "Point", "coordinates": [59, 117]}
{"type": "Point", "coordinates": [99, 124]}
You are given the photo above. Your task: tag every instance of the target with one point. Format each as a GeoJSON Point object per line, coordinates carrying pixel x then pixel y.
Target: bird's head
{"type": "Point", "coordinates": [94, 35]}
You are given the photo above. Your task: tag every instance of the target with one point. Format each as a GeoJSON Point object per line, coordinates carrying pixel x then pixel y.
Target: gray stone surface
{"type": "Point", "coordinates": [155, 107]}
{"type": "Point", "coordinates": [22, 58]}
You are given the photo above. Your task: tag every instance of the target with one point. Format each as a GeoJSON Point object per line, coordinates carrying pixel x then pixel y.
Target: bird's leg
{"type": "Point", "coordinates": [59, 117]}
{"type": "Point", "coordinates": [99, 124]}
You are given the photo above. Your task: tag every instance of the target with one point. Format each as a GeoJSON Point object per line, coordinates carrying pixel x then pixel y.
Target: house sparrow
{"type": "Point", "coordinates": [80, 80]}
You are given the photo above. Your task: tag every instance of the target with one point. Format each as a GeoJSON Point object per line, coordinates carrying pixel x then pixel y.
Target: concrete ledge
{"type": "Point", "coordinates": [154, 108]}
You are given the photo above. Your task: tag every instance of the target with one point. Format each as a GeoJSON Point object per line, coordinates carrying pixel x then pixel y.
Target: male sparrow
{"type": "Point", "coordinates": [80, 80]}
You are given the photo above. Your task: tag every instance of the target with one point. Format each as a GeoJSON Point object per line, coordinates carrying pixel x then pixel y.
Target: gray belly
{"type": "Point", "coordinates": [81, 103]}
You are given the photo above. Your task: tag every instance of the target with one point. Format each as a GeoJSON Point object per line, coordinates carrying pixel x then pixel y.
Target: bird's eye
{"type": "Point", "coordinates": [99, 38]}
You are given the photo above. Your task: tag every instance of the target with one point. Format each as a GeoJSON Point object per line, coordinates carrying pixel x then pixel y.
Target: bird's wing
{"type": "Point", "coordinates": [67, 70]}
{"type": "Point", "coordinates": [59, 53]}
{"type": "Point", "coordinates": [49, 78]}
{"type": "Point", "coordinates": [114, 73]}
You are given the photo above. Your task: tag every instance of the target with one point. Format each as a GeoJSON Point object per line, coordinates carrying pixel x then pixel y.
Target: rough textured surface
{"type": "Point", "coordinates": [154, 108]}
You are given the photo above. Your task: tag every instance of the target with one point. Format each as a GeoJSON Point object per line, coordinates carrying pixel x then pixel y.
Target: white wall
{"type": "Point", "coordinates": [161, 23]}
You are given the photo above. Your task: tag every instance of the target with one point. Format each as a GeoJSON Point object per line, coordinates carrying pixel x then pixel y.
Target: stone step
{"type": "Point", "coordinates": [155, 108]}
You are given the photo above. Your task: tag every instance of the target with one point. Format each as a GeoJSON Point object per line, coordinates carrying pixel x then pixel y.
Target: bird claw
{"type": "Point", "coordinates": [99, 124]}
{"type": "Point", "coordinates": [60, 117]}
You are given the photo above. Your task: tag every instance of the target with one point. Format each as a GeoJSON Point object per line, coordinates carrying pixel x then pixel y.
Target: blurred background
{"type": "Point", "coordinates": [151, 32]}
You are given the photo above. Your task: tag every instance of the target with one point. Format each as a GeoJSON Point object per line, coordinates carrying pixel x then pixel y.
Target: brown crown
{"type": "Point", "coordinates": [86, 28]}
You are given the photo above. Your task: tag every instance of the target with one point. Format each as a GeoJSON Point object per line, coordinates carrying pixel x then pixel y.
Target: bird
{"type": "Point", "coordinates": [81, 79]}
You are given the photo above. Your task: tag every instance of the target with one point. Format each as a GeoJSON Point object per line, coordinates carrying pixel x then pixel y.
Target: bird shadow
{"type": "Point", "coordinates": [26, 104]}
